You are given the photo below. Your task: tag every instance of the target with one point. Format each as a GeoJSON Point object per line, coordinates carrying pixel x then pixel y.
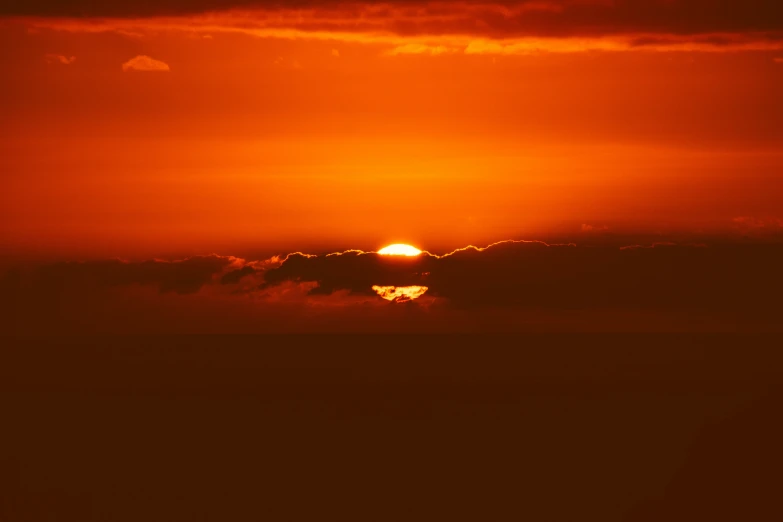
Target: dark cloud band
{"type": "Point", "coordinates": [491, 19]}
{"type": "Point", "coordinates": [534, 274]}
{"type": "Point", "coordinates": [182, 277]}
{"type": "Point", "coordinates": [502, 285]}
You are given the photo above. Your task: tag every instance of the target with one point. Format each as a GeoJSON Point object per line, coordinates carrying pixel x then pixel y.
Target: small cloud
{"type": "Point", "coordinates": [59, 58]}
{"type": "Point", "coordinates": [748, 222]}
{"type": "Point", "coordinates": [291, 64]}
{"type": "Point", "coordinates": [335, 53]}
{"type": "Point", "coordinates": [755, 223]}
{"type": "Point", "coordinates": [130, 34]}
{"type": "Point", "coordinates": [207, 37]}
{"type": "Point", "coordinates": [594, 228]}
{"type": "Point", "coordinates": [658, 244]}
{"type": "Point", "coordinates": [778, 59]}
{"type": "Point", "coordinates": [144, 63]}
{"type": "Point", "coordinates": [414, 48]}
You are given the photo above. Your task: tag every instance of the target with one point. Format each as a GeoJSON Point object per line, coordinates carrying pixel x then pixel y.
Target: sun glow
{"type": "Point", "coordinates": [400, 294]}
{"type": "Point", "coordinates": [399, 249]}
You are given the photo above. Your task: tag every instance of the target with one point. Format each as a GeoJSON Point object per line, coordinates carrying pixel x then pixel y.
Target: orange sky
{"type": "Point", "coordinates": [277, 129]}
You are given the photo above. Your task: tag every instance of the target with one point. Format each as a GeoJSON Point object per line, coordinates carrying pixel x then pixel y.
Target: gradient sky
{"type": "Point", "coordinates": [181, 180]}
{"type": "Point", "coordinates": [142, 128]}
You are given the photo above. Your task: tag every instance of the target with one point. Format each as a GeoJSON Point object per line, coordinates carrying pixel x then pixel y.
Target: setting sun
{"type": "Point", "coordinates": [400, 294]}
{"type": "Point", "coordinates": [399, 250]}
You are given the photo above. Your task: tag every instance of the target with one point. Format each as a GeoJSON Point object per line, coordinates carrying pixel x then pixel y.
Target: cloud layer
{"type": "Point", "coordinates": [535, 274]}
{"type": "Point", "coordinates": [503, 286]}
{"type": "Point", "coordinates": [495, 18]}
{"type": "Point", "coordinates": [498, 27]}
{"type": "Point", "coordinates": [182, 277]}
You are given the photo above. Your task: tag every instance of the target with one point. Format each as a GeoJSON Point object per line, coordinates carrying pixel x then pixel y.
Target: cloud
{"type": "Point", "coordinates": [659, 244]}
{"type": "Point", "coordinates": [778, 59]}
{"type": "Point", "coordinates": [757, 223]}
{"type": "Point", "coordinates": [414, 48]}
{"type": "Point", "coordinates": [506, 286]}
{"type": "Point", "coordinates": [594, 228]}
{"type": "Point", "coordinates": [144, 63]}
{"type": "Point", "coordinates": [181, 277]}
{"type": "Point", "coordinates": [335, 53]}
{"type": "Point", "coordinates": [61, 59]}
{"type": "Point", "coordinates": [538, 275]}
{"type": "Point", "coordinates": [508, 273]}
{"type": "Point", "coordinates": [235, 276]}
{"type": "Point", "coordinates": [500, 18]}
{"type": "Point", "coordinates": [287, 63]}
{"type": "Point", "coordinates": [500, 27]}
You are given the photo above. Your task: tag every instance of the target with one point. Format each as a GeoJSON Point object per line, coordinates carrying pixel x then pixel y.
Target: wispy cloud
{"type": "Point", "coordinates": [417, 48]}
{"type": "Point", "coordinates": [287, 63]}
{"type": "Point", "coordinates": [594, 228]}
{"type": "Point", "coordinates": [60, 58]}
{"type": "Point", "coordinates": [756, 223]}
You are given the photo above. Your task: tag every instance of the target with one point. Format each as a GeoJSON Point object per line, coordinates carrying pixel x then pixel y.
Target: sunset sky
{"type": "Point", "coordinates": [169, 129]}
{"type": "Point", "coordinates": [147, 128]}
{"type": "Point", "coordinates": [401, 260]}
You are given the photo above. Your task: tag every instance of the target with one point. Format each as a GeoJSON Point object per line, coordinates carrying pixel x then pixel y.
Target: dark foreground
{"type": "Point", "coordinates": [366, 428]}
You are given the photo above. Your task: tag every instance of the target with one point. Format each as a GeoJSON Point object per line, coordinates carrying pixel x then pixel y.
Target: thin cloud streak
{"type": "Point", "coordinates": [60, 59]}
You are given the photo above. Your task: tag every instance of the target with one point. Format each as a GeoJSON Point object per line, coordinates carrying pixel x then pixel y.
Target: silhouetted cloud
{"type": "Point", "coordinates": [234, 276]}
{"type": "Point", "coordinates": [507, 285]}
{"type": "Point", "coordinates": [182, 277]}
{"type": "Point", "coordinates": [535, 274]}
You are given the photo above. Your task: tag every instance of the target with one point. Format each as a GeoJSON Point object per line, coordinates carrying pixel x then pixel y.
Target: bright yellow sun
{"type": "Point", "coordinates": [400, 294]}
{"type": "Point", "coordinates": [399, 250]}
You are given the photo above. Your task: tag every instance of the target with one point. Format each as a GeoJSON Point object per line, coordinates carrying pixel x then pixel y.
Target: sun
{"type": "Point", "coordinates": [400, 294]}
{"type": "Point", "coordinates": [399, 249]}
